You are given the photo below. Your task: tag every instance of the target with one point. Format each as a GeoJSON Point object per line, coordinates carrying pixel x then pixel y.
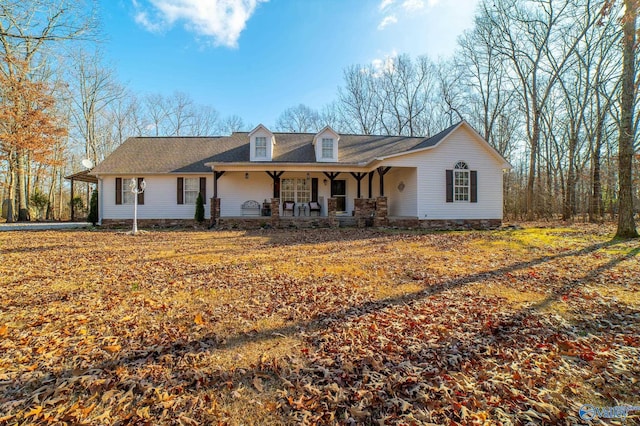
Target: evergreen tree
{"type": "Point", "coordinates": [199, 216]}
{"type": "Point", "coordinates": [93, 208]}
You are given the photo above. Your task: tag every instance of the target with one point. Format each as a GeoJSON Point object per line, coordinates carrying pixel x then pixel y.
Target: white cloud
{"type": "Point", "coordinates": [385, 64]}
{"type": "Point", "coordinates": [388, 20]}
{"type": "Point", "coordinates": [221, 20]}
{"type": "Point", "coordinates": [414, 5]}
{"type": "Point", "coordinates": [384, 4]}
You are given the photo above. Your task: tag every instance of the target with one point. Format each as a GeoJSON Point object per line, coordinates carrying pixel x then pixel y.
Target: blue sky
{"type": "Point", "coordinates": [256, 58]}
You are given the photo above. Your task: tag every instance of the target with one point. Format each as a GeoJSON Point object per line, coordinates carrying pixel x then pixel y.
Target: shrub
{"type": "Point", "coordinates": [199, 216]}
{"type": "Point", "coordinates": [93, 208]}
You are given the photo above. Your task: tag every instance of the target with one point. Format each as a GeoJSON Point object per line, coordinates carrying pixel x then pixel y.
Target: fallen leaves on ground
{"type": "Point", "coordinates": [317, 326]}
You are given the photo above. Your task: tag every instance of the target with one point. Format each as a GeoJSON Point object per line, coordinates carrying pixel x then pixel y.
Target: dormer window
{"type": "Point", "coordinates": [327, 148]}
{"type": "Point", "coordinates": [261, 144]}
{"type": "Point", "coordinates": [325, 144]}
{"type": "Point", "coordinates": [261, 147]}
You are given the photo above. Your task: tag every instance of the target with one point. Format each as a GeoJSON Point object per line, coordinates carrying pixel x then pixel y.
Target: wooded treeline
{"type": "Point", "coordinates": [541, 80]}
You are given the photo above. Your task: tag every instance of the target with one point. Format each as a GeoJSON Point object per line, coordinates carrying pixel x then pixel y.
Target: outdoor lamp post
{"type": "Point", "coordinates": [136, 190]}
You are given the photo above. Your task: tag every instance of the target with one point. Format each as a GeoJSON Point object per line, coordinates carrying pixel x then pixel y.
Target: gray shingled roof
{"type": "Point", "coordinates": [189, 154]}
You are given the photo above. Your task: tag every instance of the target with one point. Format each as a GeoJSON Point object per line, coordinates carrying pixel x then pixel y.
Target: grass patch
{"type": "Point", "coordinates": [330, 326]}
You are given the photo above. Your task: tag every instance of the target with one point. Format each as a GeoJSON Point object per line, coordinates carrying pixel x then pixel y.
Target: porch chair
{"type": "Point", "coordinates": [288, 206]}
{"type": "Point", "coordinates": [314, 206]}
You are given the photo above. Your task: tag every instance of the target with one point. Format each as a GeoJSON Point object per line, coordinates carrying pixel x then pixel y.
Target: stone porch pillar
{"type": "Point", "coordinates": [332, 207]}
{"type": "Point", "coordinates": [215, 211]}
{"type": "Point", "coordinates": [382, 216]}
{"type": "Point", "coordinates": [275, 212]}
{"type": "Point", "coordinates": [365, 209]}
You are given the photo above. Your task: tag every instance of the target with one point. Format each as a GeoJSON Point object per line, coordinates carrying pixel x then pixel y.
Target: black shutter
{"type": "Point", "coordinates": [314, 189]}
{"type": "Point", "coordinates": [118, 190]}
{"type": "Point", "coordinates": [449, 186]}
{"type": "Point", "coordinates": [203, 189]}
{"type": "Point", "coordinates": [180, 192]}
{"type": "Point", "coordinates": [140, 195]}
{"type": "Point", "coordinates": [474, 186]}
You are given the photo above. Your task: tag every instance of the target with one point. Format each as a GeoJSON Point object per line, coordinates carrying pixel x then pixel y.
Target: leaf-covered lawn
{"type": "Point", "coordinates": [318, 326]}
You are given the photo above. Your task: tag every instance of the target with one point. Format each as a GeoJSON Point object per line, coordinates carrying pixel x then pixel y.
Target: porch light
{"type": "Point", "coordinates": [308, 176]}
{"type": "Point", "coordinates": [324, 181]}
{"type": "Point", "coordinates": [246, 175]}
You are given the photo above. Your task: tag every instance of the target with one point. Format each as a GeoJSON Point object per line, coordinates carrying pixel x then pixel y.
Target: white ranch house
{"type": "Point", "coordinates": [454, 178]}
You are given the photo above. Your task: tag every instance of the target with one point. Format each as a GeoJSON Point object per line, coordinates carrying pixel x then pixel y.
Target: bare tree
{"type": "Point", "coordinates": [94, 88]}
{"type": "Point", "coordinates": [232, 123]}
{"type": "Point", "coordinates": [205, 121]}
{"type": "Point", "coordinates": [358, 100]}
{"type": "Point", "coordinates": [299, 119]}
{"type": "Point", "coordinates": [626, 222]}
{"type": "Point", "coordinates": [27, 32]}
{"type": "Point", "coordinates": [179, 109]}
{"type": "Point", "coordinates": [539, 39]}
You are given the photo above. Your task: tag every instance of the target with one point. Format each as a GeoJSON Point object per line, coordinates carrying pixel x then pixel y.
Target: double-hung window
{"type": "Point", "coordinates": [461, 182]}
{"type": "Point", "coordinates": [261, 146]}
{"type": "Point", "coordinates": [327, 148]}
{"type": "Point", "coordinates": [297, 190]}
{"type": "Point", "coordinates": [127, 195]}
{"type": "Point", "coordinates": [191, 190]}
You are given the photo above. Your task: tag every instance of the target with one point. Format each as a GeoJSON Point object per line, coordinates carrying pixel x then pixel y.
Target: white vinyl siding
{"type": "Point", "coordinates": [431, 183]}
{"type": "Point", "coordinates": [159, 199]}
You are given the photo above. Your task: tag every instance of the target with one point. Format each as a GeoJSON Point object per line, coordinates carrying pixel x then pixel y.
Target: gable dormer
{"type": "Point", "coordinates": [325, 143]}
{"type": "Point", "coordinates": [261, 142]}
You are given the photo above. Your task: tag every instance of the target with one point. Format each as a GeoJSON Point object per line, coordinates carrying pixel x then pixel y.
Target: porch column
{"type": "Point", "coordinates": [275, 212]}
{"type": "Point", "coordinates": [381, 218]}
{"type": "Point", "coordinates": [216, 176]}
{"type": "Point", "coordinates": [382, 171]}
{"type": "Point", "coordinates": [276, 183]}
{"type": "Point", "coordinates": [358, 177]}
{"type": "Point", "coordinates": [73, 210]}
{"type": "Point", "coordinates": [215, 211]}
{"type": "Point", "coordinates": [332, 205]}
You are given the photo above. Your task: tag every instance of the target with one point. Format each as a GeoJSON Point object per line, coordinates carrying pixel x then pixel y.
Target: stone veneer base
{"type": "Point", "coordinates": [306, 222]}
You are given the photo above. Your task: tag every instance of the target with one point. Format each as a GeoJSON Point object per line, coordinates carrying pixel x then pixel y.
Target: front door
{"type": "Point", "coordinates": [339, 192]}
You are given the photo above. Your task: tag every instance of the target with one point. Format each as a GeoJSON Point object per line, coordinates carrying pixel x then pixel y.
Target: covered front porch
{"type": "Point", "coordinates": [319, 195]}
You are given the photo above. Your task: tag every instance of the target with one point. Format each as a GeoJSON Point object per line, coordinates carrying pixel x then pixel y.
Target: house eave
{"type": "Point", "coordinates": [270, 165]}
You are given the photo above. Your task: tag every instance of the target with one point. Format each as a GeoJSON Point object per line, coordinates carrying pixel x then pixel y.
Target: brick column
{"type": "Point", "coordinates": [275, 212]}
{"type": "Point", "coordinates": [332, 206]}
{"type": "Point", "coordinates": [381, 218]}
{"type": "Point", "coordinates": [365, 209]}
{"type": "Point", "coordinates": [215, 211]}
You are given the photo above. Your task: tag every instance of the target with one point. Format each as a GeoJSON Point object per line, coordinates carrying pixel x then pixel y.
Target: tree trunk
{"type": "Point", "coordinates": [626, 223]}
{"type": "Point", "coordinates": [597, 209]}
{"type": "Point", "coordinates": [535, 136]}
{"type": "Point", "coordinates": [23, 207]}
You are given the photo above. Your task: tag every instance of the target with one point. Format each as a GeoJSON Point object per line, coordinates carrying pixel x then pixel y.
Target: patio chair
{"type": "Point", "coordinates": [314, 206]}
{"type": "Point", "coordinates": [288, 206]}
